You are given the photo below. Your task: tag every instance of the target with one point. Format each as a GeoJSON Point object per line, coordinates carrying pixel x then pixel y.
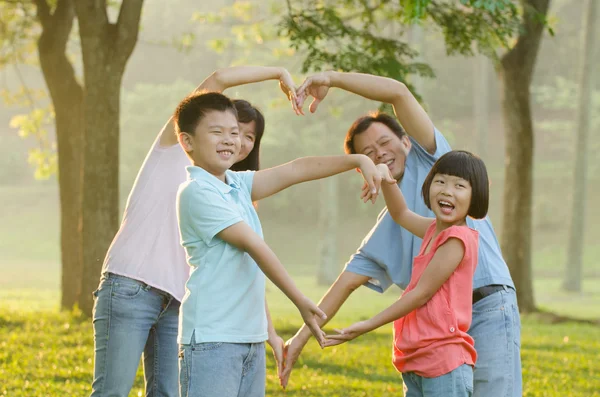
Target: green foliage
{"type": "Point", "coordinates": [370, 36]}
{"type": "Point", "coordinates": [34, 125]}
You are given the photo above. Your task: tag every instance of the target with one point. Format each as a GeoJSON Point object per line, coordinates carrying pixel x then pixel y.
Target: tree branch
{"type": "Point", "coordinates": [43, 13]}
{"type": "Point", "coordinates": [127, 28]}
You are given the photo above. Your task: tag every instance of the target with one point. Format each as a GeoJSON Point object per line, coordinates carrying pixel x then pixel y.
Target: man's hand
{"type": "Point", "coordinates": [277, 345]}
{"type": "Point", "coordinates": [316, 86]}
{"type": "Point", "coordinates": [347, 334]}
{"type": "Point", "coordinates": [291, 352]}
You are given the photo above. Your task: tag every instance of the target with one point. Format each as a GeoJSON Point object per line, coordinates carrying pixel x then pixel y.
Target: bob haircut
{"type": "Point", "coordinates": [247, 114]}
{"type": "Point", "coordinates": [469, 167]}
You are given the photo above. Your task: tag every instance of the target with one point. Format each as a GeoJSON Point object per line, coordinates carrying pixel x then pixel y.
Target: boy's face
{"type": "Point", "coordinates": [215, 145]}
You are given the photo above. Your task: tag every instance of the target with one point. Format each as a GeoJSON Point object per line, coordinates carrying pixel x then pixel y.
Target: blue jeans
{"type": "Point", "coordinates": [457, 383]}
{"type": "Point", "coordinates": [496, 328]}
{"type": "Point", "coordinates": [217, 369]}
{"type": "Point", "coordinates": [131, 318]}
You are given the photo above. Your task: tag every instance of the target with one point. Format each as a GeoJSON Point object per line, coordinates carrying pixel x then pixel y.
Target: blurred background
{"type": "Point", "coordinates": [460, 58]}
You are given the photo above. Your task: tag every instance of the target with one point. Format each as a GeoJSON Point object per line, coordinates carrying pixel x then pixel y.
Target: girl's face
{"type": "Point", "coordinates": [248, 138]}
{"type": "Point", "coordinates": [450, 199]}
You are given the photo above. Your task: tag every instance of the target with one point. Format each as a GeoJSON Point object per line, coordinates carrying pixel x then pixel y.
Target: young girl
{"type": "Point", "coordinates": [223, 321]}
{"type": "Point", "coordinates": [431, 346]}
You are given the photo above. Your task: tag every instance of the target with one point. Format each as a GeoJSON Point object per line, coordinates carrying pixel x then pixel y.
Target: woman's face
{"type": "Point", "coordinates": [248, 137]}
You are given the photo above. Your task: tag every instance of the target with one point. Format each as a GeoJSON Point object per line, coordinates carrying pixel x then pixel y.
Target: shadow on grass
{"type": "Point", "coordinates": [9, 322]}
{"type": "Point", "coordinates": [547, 317]}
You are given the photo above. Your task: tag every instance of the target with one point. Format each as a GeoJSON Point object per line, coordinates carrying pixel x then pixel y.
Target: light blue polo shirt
{"type": "Point", "coordinates": [386, 254]}
{"type": "Point", "coordinates": [225, 294]}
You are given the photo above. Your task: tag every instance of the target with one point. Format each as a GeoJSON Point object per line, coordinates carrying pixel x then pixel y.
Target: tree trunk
{"type": "Point", "coordinates": [574, 264]}
{"type": "Point", "coordinates": [106, 47]}
{"type": "Point", "coordinates": [67, 97]}
{"type": "Point", "coordinates": [516, 71]}
{"type": "Point", "coordinates": [328, 221]}
{"type": "Point", "coordinates": [481, 97]}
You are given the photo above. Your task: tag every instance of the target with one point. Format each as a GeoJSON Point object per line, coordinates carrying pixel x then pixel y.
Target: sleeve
{"type": "Point", "coordinates": [360, 263]}
{"type": "Point", "coordinates": [461, 233]}
{"type": "Point", "coordinates": [441, 147]}
{"type": "Point", "coordinates": [246, 179]}
{"type": "Point", "coordinates": [208, 212]}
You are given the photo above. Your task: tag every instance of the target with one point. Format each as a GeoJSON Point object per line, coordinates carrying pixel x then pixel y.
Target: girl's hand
{"type": "Point", "coordinates": [385, 176]}
{"type": "Point", "coordinates": [372, 177]}
{"type": "Point", "coordinates": [309, 312]}
{"type": "Point", "coordinates": [316, 86]}
{"type": "Point", "coordinates": [277, 344]}
{"type": "Point", "coordinates": [347, 334]}
{"type": "Point", "coordinates": [287, 85]}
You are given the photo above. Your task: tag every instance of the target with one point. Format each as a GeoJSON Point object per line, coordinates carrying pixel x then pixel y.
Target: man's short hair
{"type": "Point", "coordinates": [361, 125]}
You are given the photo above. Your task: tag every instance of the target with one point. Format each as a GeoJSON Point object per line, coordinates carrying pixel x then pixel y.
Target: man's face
{"type": "Point", "coordinates": [382, 146]}
{"type": "Point", "coordinates": [215, 145]}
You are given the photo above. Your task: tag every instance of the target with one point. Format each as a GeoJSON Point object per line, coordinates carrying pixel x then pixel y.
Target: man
{"type": "Point", "coordinates": [385, 255]}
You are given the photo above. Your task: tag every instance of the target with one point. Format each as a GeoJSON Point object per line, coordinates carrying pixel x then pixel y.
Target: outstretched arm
{"type": "Point", "coordinates": [397, 207]}
{"type": "Point", "coordinates": [243, 237]}
{"type": "Point", "coordinates": [225, 78]}
{"type": "Point", "coordinates": [409, 112]}
{"type": "Point", "coordinates": [447, 257]}
{"type": "Point", "coordinates": [270, 181]}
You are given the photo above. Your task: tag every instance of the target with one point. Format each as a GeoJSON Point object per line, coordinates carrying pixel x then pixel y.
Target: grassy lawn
{"type": "Point", "coordinates": [47, 353]}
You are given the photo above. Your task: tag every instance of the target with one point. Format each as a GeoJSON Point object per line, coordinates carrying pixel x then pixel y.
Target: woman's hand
{"type": "Point", "coordinates": [287, 85]}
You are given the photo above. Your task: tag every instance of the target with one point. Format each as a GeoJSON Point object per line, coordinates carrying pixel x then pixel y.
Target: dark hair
{"type": "Point", "coordinates": [247, 114]}
{"type": "Point", "coordinates": [194, 107]}
{"type": "Point", "coordinates": [469, 167]}
{"type": "Point", "coordinates": [361, 125]}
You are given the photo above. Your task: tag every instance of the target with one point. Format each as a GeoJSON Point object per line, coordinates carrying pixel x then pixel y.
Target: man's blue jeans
{"type": "Point", "coordinates": [496, 328]}
{"type": "Point", "coordinates": [131, 318]}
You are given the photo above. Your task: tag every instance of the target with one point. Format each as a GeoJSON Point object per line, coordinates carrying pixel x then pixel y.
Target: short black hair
{"type": "Point", "coordinates": [361, 124]}
{"type": "Point", "coordinates": [469, 167]}
{"type": "Point", "coordinates": [247, 114]}
{"type": "Point", "coordinates": [194, 107]}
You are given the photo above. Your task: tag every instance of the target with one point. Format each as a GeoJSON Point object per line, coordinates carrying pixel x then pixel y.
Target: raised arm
{"type": "Point", "coordinates": [222, 79]}
{"type": "Point", "coordinates": [243, 237]}
{"type": "Point", "coordinates": [409, 112]}
{"type": "Point", "coordinates": [272, 180]}
{"type": "Point", "coordinates": [397, 207]}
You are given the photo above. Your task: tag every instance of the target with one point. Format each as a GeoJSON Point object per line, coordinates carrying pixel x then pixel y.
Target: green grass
{"type": "Point", "coordinates": [44, 352]}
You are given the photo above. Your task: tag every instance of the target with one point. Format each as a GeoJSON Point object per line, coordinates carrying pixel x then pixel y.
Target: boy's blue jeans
{"type": "Point", "coordinates": [457, 383]}
{"type": "Point", "coordinates": [217, 369]}
{"type": "Point", "coordinates": [131, 318]}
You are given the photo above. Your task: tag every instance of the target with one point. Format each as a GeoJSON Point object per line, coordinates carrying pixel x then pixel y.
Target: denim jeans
{"type": "Point", "coordinates": [217, 369]}
{"type": "Point", "coordinates": [496, 328]}
{"type": "Point", "coordinates": [457, 383]}
{"type": "Point", "coordinates": [131, 318]}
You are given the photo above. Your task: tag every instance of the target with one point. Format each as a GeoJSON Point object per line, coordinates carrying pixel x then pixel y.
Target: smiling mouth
{"type": "Point", "coordinates": [445, 206]}
{"type": "Point", "coordinates": [225, 153]}
{"type": "Point", "coordinates": [388, 162]}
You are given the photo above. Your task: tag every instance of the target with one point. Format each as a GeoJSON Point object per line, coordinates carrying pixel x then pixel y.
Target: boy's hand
{"type": "Point", "coordinates": [385, 176]}
{"type": "Point", "coordinates": [347, 334]}
{"type": "Point", "coordinates": [277, 344]}
{"type": "Point", "coordinates": [309, 312]}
